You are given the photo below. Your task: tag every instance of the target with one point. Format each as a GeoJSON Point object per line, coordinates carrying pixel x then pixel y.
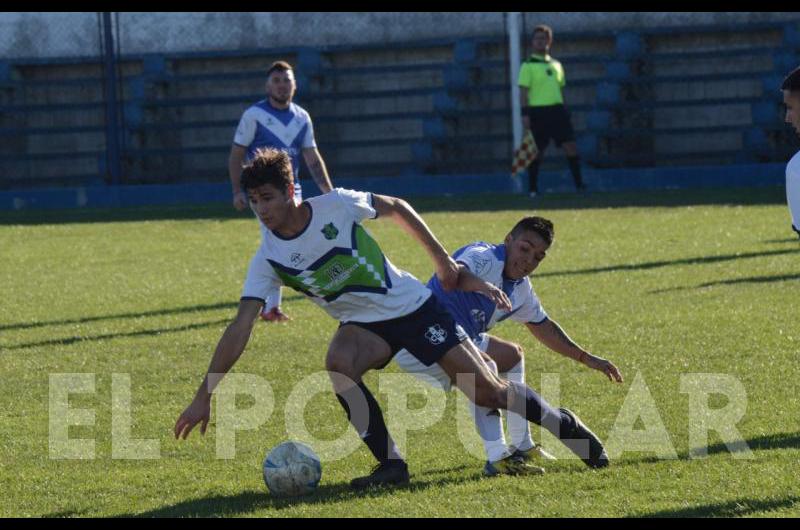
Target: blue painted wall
{"type": "Point", "coordinates": [555, 181]}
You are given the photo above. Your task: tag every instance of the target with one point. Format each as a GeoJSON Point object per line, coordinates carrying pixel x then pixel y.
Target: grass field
{"type": "Point", "coordinates": [664, 284]}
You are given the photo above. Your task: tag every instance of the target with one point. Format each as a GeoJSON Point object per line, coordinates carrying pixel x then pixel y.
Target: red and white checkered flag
{"type": "Point", "coordinates": [525, 154]}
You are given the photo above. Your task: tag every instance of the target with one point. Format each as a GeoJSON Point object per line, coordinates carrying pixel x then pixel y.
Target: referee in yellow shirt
{"type": "Point", "coordinates": [541, 79]}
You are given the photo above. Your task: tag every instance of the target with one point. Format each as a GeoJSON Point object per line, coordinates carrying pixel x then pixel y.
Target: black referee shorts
{"type": "Point", "coordinates": [551, 122]}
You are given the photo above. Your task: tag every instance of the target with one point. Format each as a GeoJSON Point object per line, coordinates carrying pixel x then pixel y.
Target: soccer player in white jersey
{"type": "Point", "coordinates": [791, 98]}
{"type": "Point", "coordinates": [320, 249]}
{"type": "Point", "coordinates": [278, 123]}
{"type": "Point", "coordinates": [505, 266]}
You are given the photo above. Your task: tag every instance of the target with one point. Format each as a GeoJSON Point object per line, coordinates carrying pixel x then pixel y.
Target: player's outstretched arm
{"type": "Point", "coordinates": [316, 166]}
{"type": "Point", "coordinates": [468, 281]}
{"type": "Point", "coordinates": [235, 161]}
{"type": "Point", "coordinates": [229, 349]}
{"type": "Point", "coordinates": [551, 335]}
{"type": "Point", "coordinates": [409, 220]}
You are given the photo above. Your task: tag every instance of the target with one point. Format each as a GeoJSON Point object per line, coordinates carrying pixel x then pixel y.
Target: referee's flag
{"type": "Point", "coordinates": [525, 154]}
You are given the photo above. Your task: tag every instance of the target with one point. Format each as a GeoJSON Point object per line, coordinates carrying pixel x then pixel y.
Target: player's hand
{"type": "Point", "coordinates": [498, 297]}
{"type": "Point", "coordinates": [239, 200]}
{"type": "Point", "coordinates": [199, 411]}
{"type": "Point", "coordinates": [605, 366]}
{"type": "Point", "coordinates": [447, 271]}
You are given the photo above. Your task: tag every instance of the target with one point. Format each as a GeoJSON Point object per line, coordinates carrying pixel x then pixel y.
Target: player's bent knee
{"type": "Point", "coordinates": [339, 364]}
{"type": "Point", "coordinates": [491, 396]}
{"type": "Point", "coordinates": [517, 354]}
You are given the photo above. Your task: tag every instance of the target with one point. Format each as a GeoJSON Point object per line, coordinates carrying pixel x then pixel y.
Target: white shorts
{"type": "Point", "coordinates": [432, 374]}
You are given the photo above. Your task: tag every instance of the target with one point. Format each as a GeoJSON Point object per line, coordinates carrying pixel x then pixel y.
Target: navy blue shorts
{"type": "Point", "coordinates": [427, 333]}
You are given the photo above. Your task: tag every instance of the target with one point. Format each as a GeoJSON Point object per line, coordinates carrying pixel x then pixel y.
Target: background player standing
{"type": "Point", "coordinates": [278, 123]}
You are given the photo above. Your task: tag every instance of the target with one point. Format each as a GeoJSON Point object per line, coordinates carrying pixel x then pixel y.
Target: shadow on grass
{"type": "Point", "coordinates": [98, 318]}
{"type": "Point", "coordinates": [766, 442]}
{"type": "Point", "coordinates": [154, 313]}
{"type": "Point", "coordinates": [737, 508]}
{"type": "Point", "coordinates": [733, 281]}
{"type": "Point", "coordinates": [702, 260]}
{"type": "Point", "coordinates": [66, 513]}
{"type": "Point", "coordinates": [787, 240]}
{"type": "Point", "coordinates": [249, 501]}
{"type": "Point", "coordinates": [143, 333]}
{"type": "Point", "coordinates": [464, 203]}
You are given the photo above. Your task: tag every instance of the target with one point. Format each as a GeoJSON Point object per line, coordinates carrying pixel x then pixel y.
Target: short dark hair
{"type": "Point", "coordinates": [268, 166]}
{"type": "Point", "coordinates": [544, 28]}
{"type": "Point", "coordinates": [279, 66]}
{"type": "Point", "coordinates": [792, 81]}
{"type": "Point", "coordinates": [540, 225]}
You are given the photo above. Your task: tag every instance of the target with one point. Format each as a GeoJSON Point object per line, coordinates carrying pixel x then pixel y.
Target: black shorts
{"type": "Point", "coordinates": [551, 122]}
{"type": "Point", "coordinates": [427, 333]}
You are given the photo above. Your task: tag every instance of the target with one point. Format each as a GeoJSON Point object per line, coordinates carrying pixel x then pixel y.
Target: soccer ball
{"type": "Point", "coordinates": [292, 469]}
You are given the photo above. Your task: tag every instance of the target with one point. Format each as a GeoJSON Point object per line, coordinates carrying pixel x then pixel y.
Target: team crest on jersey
{"type": "Point", "coordinates": [296, 258]}
{"type": "Point", "coordinates": [436, 335]}
{"type": "Point", "coordinates": [330, 231]}
{"type": "Point", "coordinates": [481, 264]}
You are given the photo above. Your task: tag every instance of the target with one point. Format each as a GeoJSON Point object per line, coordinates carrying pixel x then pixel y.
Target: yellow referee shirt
{"type": "Point", "coordinates": [543, 76]}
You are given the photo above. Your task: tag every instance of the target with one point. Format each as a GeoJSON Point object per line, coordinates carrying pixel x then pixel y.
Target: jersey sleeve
{"type": "Point", "coordinates": [246, 130]}
{"type": "Point", "coordinates": [531, 310]}
{"type": "Point", "coordinates": [562, 78]}
{"type": "Point", "coordinates": [357, 203]}
{"type": "Point", "coordinates": [524, 79]}
{"type": "Point", "coordinates": [261, 279]}
{"type": "Point", "coordinates": [479, 259]}
{"type": "Point", "coordinates": [308, 139]}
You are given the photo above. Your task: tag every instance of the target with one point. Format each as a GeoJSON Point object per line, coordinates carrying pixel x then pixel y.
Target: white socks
{"type": "Point", "coordinates": [490, 426]}
{"type": "Point", "coordinates": [518, 427]}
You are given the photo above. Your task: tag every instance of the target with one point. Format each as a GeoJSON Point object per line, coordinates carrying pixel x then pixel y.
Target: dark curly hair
{"type": "Point", "coordinates": [540, 225]}
{"type": "Point", "coordinates": [268, 166]}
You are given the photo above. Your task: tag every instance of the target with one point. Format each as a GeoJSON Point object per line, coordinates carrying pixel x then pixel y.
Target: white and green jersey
{"type": "Point", "coordinates": [336, 263]}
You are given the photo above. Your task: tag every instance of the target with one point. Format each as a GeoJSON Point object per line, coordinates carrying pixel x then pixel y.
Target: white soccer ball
{"type": "Point", "coordinates": [292, 469]}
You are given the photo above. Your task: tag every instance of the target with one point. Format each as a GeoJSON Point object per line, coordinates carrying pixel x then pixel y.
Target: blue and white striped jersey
{"type": "Point", "coordinates": [475, 312]}
{"type": "Point", "coordinates": [262, 125]}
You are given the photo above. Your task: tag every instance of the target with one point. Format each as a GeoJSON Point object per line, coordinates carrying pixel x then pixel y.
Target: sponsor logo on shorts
{"type": "Point", "coordinates": [436, 335]}
{"type": "Point", "coordinates": [478, 318]}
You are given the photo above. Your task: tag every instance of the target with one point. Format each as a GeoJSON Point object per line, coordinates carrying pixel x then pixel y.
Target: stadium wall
{"type": "Point", "coordinates": [47, 35]}
{"type": "Point", "coordinates": [750, 175]}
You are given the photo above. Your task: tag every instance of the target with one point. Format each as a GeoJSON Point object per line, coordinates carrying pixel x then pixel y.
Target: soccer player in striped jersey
{"type": "Point", "coordinates": [506, 267]}
{"type": "Point", "coordinates": [278, 123]}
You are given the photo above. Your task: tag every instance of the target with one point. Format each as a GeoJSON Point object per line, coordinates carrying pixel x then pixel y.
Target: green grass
{"type": "Point", "coordinates": [664, 284]}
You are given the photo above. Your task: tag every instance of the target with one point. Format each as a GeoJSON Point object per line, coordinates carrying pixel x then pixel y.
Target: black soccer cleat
{"type": "Point", "coordinates": [388, 473]}
{"type": "Point", "coordinates": [597, 456]}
